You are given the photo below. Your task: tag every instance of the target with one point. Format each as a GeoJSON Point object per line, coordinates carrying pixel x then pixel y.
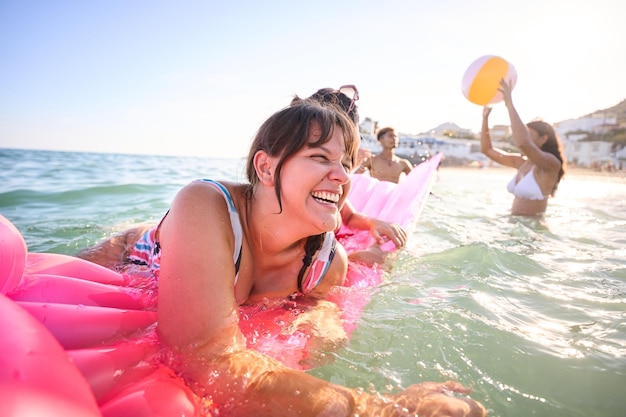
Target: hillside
{"type": "Point", "coordinates": [619, 110]}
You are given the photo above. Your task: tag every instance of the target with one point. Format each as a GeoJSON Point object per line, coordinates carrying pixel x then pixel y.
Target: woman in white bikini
{"type": "Point", "coordinates": [540, 165]}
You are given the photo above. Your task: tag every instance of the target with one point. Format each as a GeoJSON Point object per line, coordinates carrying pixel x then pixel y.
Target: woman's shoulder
{"type": "Point", "coordinates": [210, 186]}
{"type": "Point", "coordinates": [547, 163]}
{"type": "Point", "coordinates": [204, 190]}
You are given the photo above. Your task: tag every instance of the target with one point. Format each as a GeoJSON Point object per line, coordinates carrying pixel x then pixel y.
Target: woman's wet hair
{"type": "Point", "coordinates": [288, 130]}
{"type": "Point", "coordinates": [334, 97]}
{"type": "Point", "coordinates": [552, 145]}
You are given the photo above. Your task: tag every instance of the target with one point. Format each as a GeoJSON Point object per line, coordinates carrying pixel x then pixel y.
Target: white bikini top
{"type": "Point", "coordinates": [527, 187]}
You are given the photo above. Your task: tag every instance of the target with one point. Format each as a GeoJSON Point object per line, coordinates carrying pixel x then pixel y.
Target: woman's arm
{"type": "Point", "coordinates": [380, 229]}
{"type": "Point", "coordinates": [496, 155]}
{"type": "Point", "coordinates": [364, 161]}
{"type": "Point", "coordinates": [521, 135]}
{"type": "Point", "coordinates": [198, 329]}
{"type": "Point", "coordinates": [198, 317]}
{"type": "Point", "coordinates": [196, 301]}
{"type": "Point", "coordinates": [249, 383]}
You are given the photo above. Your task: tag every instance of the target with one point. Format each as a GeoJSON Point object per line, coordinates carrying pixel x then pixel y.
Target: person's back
{"type": "Point", "coordinates": [387, 166]}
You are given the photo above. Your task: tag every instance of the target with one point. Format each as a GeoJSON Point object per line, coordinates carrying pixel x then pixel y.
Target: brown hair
{"type": "Point", "coordinates": [383, 131]}
{"type": "Point", "coordinates": [287, 131]}
{"type": "Point", "coordinates": [334, 97]}
{"type": "Point", "coordinates": [552, 145]}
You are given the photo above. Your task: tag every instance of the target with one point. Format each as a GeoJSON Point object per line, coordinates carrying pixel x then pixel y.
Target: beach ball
{"type": "Point", "coordinates": [482, 79]}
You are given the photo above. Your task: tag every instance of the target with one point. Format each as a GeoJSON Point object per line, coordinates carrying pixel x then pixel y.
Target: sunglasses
{"type": "Point", "coordinates": [351, 92]}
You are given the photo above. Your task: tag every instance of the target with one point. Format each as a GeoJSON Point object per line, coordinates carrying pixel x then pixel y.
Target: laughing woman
{"type": "Point", "coordinates": [223, 244]}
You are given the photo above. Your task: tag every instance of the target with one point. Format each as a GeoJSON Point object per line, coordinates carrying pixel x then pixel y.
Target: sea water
{"type": "Point", "coordinates": [530, 312]}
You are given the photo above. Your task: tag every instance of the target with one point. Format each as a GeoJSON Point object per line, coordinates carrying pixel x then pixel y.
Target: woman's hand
{"type": "Point", "coordinates": [430, 399]}
{"type": "Point", "coordinates": [384, 231]}
{"type": "Point", "coordinates": [324, 329]}
{"type": "Point", "coordinates": [362, 158]}
{"type": "Point", "coordinates": [506, 88]}
{"type": "Point", "coordinates": [373, 255]}
{"type": "Point", "coordinates": [362, 155]}
{"type": "Point", "coordinates": [486, 112]}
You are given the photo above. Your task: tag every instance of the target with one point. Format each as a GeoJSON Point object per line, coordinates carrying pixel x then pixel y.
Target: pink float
{"type": "Point", "coordinates": [83, 339]}
{"type": "Point", "coordinates": [37, 378]}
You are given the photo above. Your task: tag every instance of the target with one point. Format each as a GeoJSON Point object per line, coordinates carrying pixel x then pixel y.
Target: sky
{"type": "Point", "coordinates": [197, 78]}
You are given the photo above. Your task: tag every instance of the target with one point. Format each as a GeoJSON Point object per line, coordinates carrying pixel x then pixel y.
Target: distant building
{"type": "Point", "coordinates": [500, 132]}
{"type": "Point", "coordinates": [573, 129]}
{"type": "Point", "coordinates": [368, 127]}
{"type": "Point", "coordinates": [586, 154]}
{"type": "Point", "coordinates": [461, 145]}
{"type": "Point", "coordinates": [580, 152]}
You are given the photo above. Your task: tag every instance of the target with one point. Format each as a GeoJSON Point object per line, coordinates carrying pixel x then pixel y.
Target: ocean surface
{"type": "Point", "coordinates": [530, 312]}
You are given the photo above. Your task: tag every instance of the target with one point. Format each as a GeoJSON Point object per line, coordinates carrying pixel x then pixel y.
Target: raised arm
{"type": "Point", "coordinates": [522, 137]}
{"type": "Point", "coordinates": [496, 155]}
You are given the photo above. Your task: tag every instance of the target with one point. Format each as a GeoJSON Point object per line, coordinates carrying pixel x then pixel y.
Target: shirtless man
{"type": "Point", "coordinates": [387, 166]}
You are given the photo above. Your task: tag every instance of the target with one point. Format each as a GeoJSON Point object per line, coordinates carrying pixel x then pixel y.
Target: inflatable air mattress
{"type": "Point", "coordinates": [80, 339]}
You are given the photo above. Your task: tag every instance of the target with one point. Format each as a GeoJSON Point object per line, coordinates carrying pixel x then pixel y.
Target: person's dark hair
{"type": "Point", "coordinates": [552, 145]}
{"type": "Point", "coordinates": [384, 130]}
{"type": "Point", "coordinates": [287, 131]}
{"type": "Point", "coordinates": [333, 97]}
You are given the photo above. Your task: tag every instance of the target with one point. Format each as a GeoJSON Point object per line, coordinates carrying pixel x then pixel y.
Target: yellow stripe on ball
{"type": "Point", "coordinates": [482, 79]}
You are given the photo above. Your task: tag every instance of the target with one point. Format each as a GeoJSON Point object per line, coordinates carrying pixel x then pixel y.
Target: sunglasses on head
{"type": "Point", "coordinates": [351, 92]}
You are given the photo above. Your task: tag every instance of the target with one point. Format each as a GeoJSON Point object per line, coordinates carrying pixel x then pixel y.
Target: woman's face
{"type": "Point", "coordinates": [314, 181]}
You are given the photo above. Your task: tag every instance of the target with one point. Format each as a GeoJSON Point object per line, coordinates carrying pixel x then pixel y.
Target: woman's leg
{"type": "Point", "coordinates": [114, 250]}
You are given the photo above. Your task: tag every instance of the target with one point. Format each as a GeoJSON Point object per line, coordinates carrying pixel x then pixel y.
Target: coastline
{"type": "Point", "coordinates": [572, 172]}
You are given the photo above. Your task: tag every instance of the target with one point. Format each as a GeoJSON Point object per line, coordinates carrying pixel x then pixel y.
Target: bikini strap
{"type": "Point", "coordinates": [234, 221]}
{"type": "Point", "coordinates": [319, 266]}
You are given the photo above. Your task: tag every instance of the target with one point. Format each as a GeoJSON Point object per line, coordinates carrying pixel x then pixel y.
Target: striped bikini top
{"type": "Point", "coordinates": [147, 250]}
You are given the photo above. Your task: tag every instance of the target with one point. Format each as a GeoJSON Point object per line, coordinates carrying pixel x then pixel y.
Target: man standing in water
{"type": "Point", "coordinates": [387, 166]}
